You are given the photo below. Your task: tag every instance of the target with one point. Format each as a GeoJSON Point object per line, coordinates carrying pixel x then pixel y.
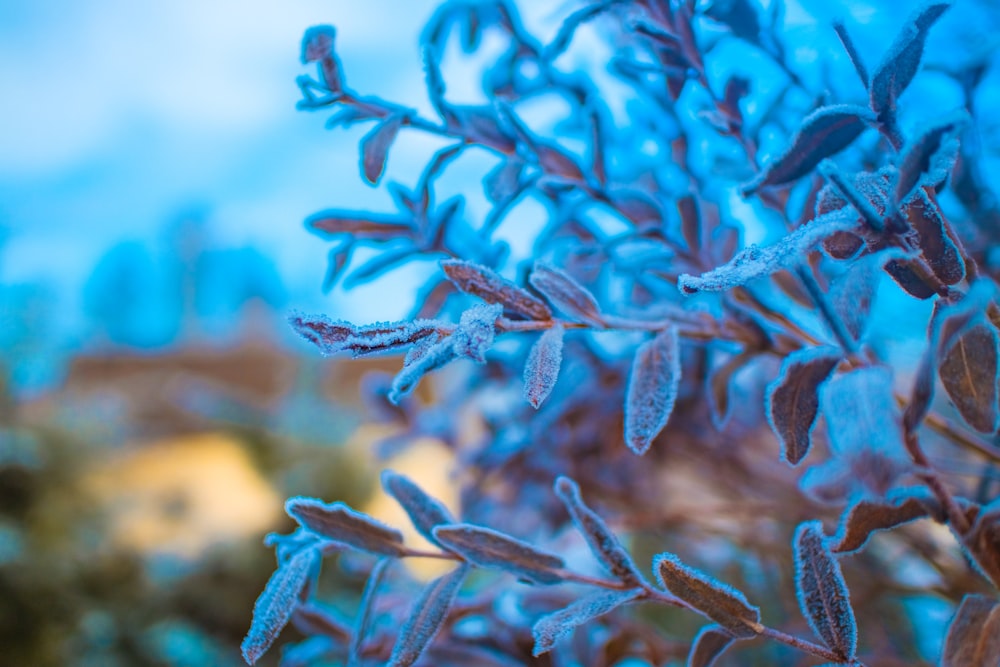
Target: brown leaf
{"type": "Point", "coordinates": [968, 372]}
{"type": "Point", "coordinates": [865, 517]}
{"type": "Point", "coordinates": [565, 293]}
{"type": "Point", "coordinates": [340, 523]}
{"type": "Point", "coordinates": [983, 541]}
{"type": "Point", "coordinates": [824, 132]}
{"type": "Point", "coordinates": [822, 593]}
{"type": "Point", "coordinates": [936, 246]}
{"type": "Point", "coordinates": [427, 617]}
{"type": "Point", "coordinates": [375, 147]}
{"type": "Point", "coordinates": [723, 604]}
{"type": "Point", "coordinates": [652, 389]}
{"type": "Point", "coordinates": [793, 399]}
{"type": "Point", "coordinates": [489, 548]}
{"type": "Point", "coordinates": [974, 634]}
{"type": "Point", "coordinates": [488, 285]}
{"type": "Point", "coordinates": [708, 646]}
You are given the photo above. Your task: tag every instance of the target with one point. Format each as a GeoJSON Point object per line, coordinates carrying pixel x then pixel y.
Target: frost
{"type": "Point", "coordinates": [365, 611]}
{"type": "Point", "coordinates": [652, 389]}
{"type": "Point", "coordinates": [866, 516]}
{"type": "Point", "coordinates": [476, 331]}
{"type": "Point", "coordinates": [488, 548]}
{"type": "Point", "coordinates": [565, 293]}
{"type": "Point", "coordinates": [340, 523]}
{"type": "Point", "coordinates": [424, 511]}
{"type": "Point", "coordinates": [426, 618]}
{"type": "Point", "coordinates": [554, 627]}
{"type": "Point", "coordinates": [792, 400]}
{"type": "Point", "coordinates": [723, 604]}
{"type": "Point", "coordinates": [822, 593]}
{"type": "Point", "coordinates": [275, 605]}
{"type": "Point", "coordinates": [542, 368]}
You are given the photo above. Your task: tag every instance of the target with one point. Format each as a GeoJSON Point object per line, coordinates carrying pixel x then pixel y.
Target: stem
{"type": "Point", "coordinates": [833, 319]}
{"type": "Point", "coordinates": [804, 645]}
{"type": "Point", "coordinates": [927, 474]}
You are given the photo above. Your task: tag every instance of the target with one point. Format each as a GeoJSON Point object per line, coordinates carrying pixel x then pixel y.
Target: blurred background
{"type": "Point", "coordinates": [155, 410]}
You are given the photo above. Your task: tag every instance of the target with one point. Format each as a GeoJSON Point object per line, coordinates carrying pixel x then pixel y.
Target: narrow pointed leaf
{"type": "Point", "coordinates": [425, 512]}
{"type": "Point", "coordinates": [719, 602]}
{"type": "Point", "coordinates": [793, 399]}
{"type": "Point", "coordinates": [719, 386]}
{"type": "Point", "coordinates": [565, 293]}
{"type": "Point", "coordinates": [340, 523]}
{"type": "Point", "coordinates": [710, 643]}
{"type": "Point", "coordinates": [476, 331]}
{"type": "Point", "coordinates": [427, 617]}
{"type": "Point", "coordinates": [489, 548]}
{"type": "Point", "coordinates": [360, 225]}
{"type": "Point", "coordinates": [824, 132]}
{"type": "Point", "coordinates": [652, 389]}
{"type": "Point", "coordinates": [930, 157]}
{"type": "Point", "coordinates": [415, 367]}
{"type": "Point", "coordinates": [974, 634]}
{"type": "Point", "coordinates": [867, 516]}
{"type": "Point", "coordinates": [602, 542]}
{"type": "Point", "coordinates": [542, 368]}
{"type": "Point", "coordinates": [900, 63]}
{"type": "Point", "coordinates": [554, 627]}
{"type": "Point", "coordinates": [312, 620]}
{"type": "Point", "coordinates": [275, 605]}
{"type": "Point", "coordinates": [365, 612]}
{"type": "Point", "coordinates": [472, 278]}
{"type": "Point", "coordinates": [755, 262]}
{"type": "Point", "coordinates": [375, 147]}
{"type": "Point", "coordinates": [936, 246]}
{"type": "Point", "coordinates": [822, 593]}
{"type": "Point", "coordinates": [968, 372]}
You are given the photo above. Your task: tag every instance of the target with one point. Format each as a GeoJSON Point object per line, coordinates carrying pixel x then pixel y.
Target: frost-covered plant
{"type": "Point", "coordinates": [664, 371]}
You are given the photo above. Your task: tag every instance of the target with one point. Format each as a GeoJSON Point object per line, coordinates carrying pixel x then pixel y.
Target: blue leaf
{"type": "Point", "coordinates": [340, 523]}
{"type": "Point", "coordinates": [652, 389]}
{"type": "Point", "coordinates": [275, 605]}
{"type": "Point", "coordinates": [542, 368]}
{"type": "Point", "coordinates": [425, 512]}
{"type": "Point", "coordinates": [822, 593]}
{"type": "Point", "coordinates": [427, 617]}
{"type": "Point", "coordinates": [550, 629]}
{"type": "Point", "coordinates": [489, 548]}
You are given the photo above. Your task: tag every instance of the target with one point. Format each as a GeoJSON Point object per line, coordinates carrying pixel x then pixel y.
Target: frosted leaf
{"type": "Point", "coordinates": [365, 611]}
{"type": "Point", "coordinates": [792, 402]}
{"type": "Point", "coordinates": [360, 225]}
{"type": "Point", "coordinates": [602, 542]}
{"type": "Point", "coordinates": [340, 523]}
{"type": "Point", "coordinates": [554, 627]}
{"type": "Point", "coordinates": [948, 321]}
{"type": "Point", "coordinates": [542, 368]}
{"type": "Point", "coordinates": [931, 156]}
{"type": "Point", "coordinates": [432, 358]}
{"type": "Point", "coordinates": [424, 511]}
{"type": "Point", "coordinates": [489, 548]}
{"type": "Point", "coordinates": [565, 293]}
{"type": "Point", "coordinates": [652, 389]}
{"type": "Point", "coordinates": [936, 246]}
{"type": "Point", "coordinates": [275, 605]}
{"type": "Point", "coordinates": [474, 279]}
{"type": "Point", "coordinates": [824, 132]}
{"type": "Point", "coordinates": [723, 604]}
{"type": "Point", "coordinates": [335, 336]}
{"type": "Point", "coordinates": [900, 63]}
{"type": "Point", "coordinates": [973, 638]}
{"type": "Point", "coordinates": [427, 617]}
{"type": "Point", "coordinates": [866, 516]}
{"type": "Point", "coordinates": [328, 335]}
{"type": "Point", "coordinates": [375, 147]}
{"type": "Point", "coordinates": [822, 593]}
{"type": "Point", "coordinates": [687, 207]}
{"type": "Point", "coordinates": [710, 643]}
{"type": "Point", "coordinates": [476, 331]}
{"type": "Point", "coordinates": [861, 412]}
{"type": "Point", "coordinates": [968, 371]}
{"type": "Point", "coordinates": [754, 262]}
{"type": "Point", "coordinates": [983, 541]}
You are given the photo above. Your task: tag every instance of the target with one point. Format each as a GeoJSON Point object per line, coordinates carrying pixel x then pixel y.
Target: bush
{"type": "Point", "coordinates": [648, 383]}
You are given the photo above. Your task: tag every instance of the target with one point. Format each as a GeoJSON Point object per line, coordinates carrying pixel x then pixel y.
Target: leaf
{"type": "Point", "coordinates": [317, 46]}
{"type": "Point", "coordinates": [548, 630]}
{"type": "Point", "coordinates": [973, 638]}
{"type": "Point", "coordinates": [936, 246]}
{"type": "Point", "coordinates": [375, 147]}
{"type": "Point", "coordinates": [652, 389]}
{"type": "Point", "coordinates": [276, 603]}
{"type": "Point", "coordinates": [504, 180]}
{"type": "Point", "coordinates": [687, 207]}
{"type": "Point", "coordinates": [968, 371]}
{"type": "Point", "coordinates": [427, 617]}
{"type": "Point", "coordinates": [365, 611]}
{"type": "Point", "coordinates": [542, 368]}
{"type": "Point", "coordinates": [311, 619]}
{"type": "Point", "coordinates": [360, 225]}
{"type": "Point", "coordinates": [719, 381]}
{"type": "Point", "coordinates": [489, 548]}
{"type": "Point", "coordinates": [867, 516]}
{"type": "Point", "coordinates": [340, 523]}
{"type": "Point", "coordinates": [710, 643]}
{"type": "Point", "coordinates": [900, 63]}
{"type": "Point", "coordinates": [852, 51]}
{"type": "Point", "coordinates": [476, 331]}
{"type": "Point", "coordinates": [929, 158]}
{"type": "Point", "coordinates": [824, 132]}
{"type": "Point", "coordinates": [425, 512]}
{"type": "Point", "coordinates": [822, 593]}
{"type": "Point", "coordinates": [602, 542]}
{"type": "Point", "coordinates": [983, 541]}
{"type": "Point", "coordinates": [432, 357]}
{"type": "Point", "coordinates": [565, 293]}
{"type": "Point", "coordinates": [472, 278]}
{"type": "Point", "coordinates": [861, 412]}
{"type": "Point", "coordinates": [332, 337]}
{"type": "Point", "coordinates": [792, 402]}
{"type": "Point", "coordinates": [719, 602]}
{"type": "Point", "coordinates": [754, 262]}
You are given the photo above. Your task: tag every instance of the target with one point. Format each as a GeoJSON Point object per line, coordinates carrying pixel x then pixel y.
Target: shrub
{"type": "Point", "coordinates": [653, 380]}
